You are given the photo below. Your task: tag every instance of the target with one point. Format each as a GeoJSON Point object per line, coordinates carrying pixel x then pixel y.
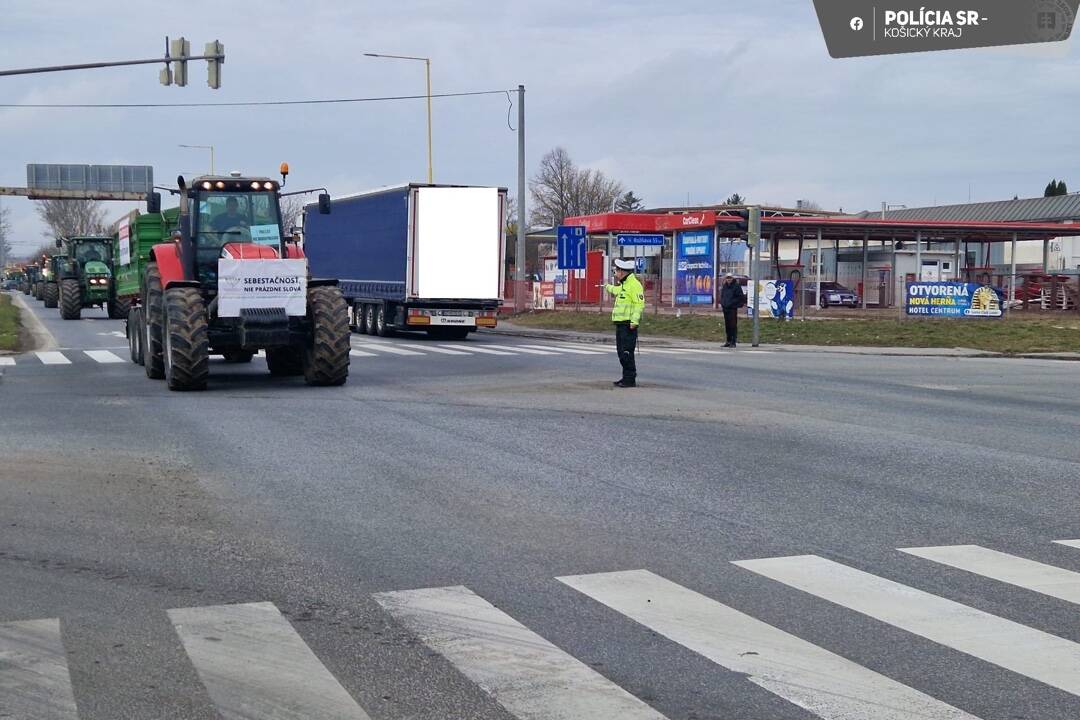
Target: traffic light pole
{"type": "Point", "coordinates": [117, 63]}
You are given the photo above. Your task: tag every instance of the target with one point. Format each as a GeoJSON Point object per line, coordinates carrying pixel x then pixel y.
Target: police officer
{"type": "Point", "coordinates": [629, 302]}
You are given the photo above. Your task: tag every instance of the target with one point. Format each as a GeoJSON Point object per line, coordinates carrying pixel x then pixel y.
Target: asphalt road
{"type": "Point", "coordinates": [468, 534]}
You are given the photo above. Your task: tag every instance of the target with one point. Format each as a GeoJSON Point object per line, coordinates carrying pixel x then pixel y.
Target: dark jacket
{"type": "Point", "coordinates": [732, 295]}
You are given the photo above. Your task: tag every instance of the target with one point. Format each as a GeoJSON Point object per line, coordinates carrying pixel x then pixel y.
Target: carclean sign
{"type": "Point", "coordinates": [262, 284]}
{"type": "Point", "coordinates": [953, 299]}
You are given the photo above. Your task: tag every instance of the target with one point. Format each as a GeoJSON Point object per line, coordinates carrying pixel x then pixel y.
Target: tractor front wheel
{"type": "Point", "coordinates": [326, 361]}
{"type": "Point", "coordinates": [70, 299]}
{"type": "Point", "coordinates": [187, 340]}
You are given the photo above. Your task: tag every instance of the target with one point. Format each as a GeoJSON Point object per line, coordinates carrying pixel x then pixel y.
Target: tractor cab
{"type": "Point", "coordinates": [233, 217]}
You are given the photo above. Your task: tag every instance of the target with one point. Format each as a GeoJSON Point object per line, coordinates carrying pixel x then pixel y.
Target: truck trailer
{"type": "Point", "coordinates": [414, 257]}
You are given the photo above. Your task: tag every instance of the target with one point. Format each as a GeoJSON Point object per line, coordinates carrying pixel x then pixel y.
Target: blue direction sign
{"type": "Point", "coordinates": [572, 247]}
{"type": "Point", "coordinates": [629, 239]}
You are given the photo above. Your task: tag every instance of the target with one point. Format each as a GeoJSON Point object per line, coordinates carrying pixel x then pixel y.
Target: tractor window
{"type": "Point", "coordinates": [224, 217]}
{"type": "Point", "coordinates": [87, 251]}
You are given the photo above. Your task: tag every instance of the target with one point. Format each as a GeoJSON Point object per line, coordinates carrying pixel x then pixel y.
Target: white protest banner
{"type": "Point", "coordinates": [262, 284]}
{"type": "Point", "coordinates": [124, 232]}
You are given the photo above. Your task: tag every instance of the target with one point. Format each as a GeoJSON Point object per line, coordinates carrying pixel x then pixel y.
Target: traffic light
{"type": "Point", "coordinates": [213, 64]}
{"type": "Point", "coordinates": [166, 75]}
{"type": "Point", "coordinates": [180, 51]}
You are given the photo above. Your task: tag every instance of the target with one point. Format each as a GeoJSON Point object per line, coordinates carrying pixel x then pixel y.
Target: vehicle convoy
{"type": "Point", "coordinates": [49, 284]}
{"type": "Point", "coordinates": [85, 277]}
{"type": "Point", "coordinates": [414, 257]}
{"type": "Point", "coordinates": [215, 275]}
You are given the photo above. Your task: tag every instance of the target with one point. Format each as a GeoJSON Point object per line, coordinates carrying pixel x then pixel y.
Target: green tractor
{"type": "Point", "coordinates": [86, 278]}
{"type": "Point", "coordinates": [49, 287]}
{"type": "Point", "coordinates": [30, 278]}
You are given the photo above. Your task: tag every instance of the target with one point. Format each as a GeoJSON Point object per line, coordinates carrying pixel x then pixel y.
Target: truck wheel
{"type": "Point", "coordinates": [284, 362]}
{"type": "Point", "coordinates": [381, 328]}
{"type": "Point", "coordinates": [151, 324]}
{"type": "Point", "coordinates": [118, 308]}
{"type": "Point", "coordinates": [361, 318]}
{"type": "Point", "coordinates": [187, 340]}
{"type": "Point", "coordinates": [238, 356]}
{"type": "Point", "coordinates": [369, 319]}
{"type": "Point", "coordinates": [326, 361]}
{"type": "Point", "coordinates": [135, 335]}
{"type": "Point", "coordinates": [70, 299]}
{"type": "Point", "coordinates": [51, 295]}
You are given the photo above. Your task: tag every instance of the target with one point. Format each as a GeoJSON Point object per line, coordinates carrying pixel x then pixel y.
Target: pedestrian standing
{"type": "Point", "coordinates": [626, 315]}
{"type": "Point", "coordinates": [732, 298]}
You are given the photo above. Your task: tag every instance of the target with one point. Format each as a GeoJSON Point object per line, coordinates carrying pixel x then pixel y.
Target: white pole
{"type": "Point", "coordinates": [1012, 276]}
{"type": "Point", "coordinates": [817, 295]}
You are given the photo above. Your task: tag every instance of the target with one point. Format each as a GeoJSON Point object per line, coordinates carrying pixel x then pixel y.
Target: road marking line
{"type": "Point", "coordinates": [34, 680]}
{"type": "Point", "coordinates": [482, 350]}
{"type": "Point", "coordinates": [255, 665]}
{"type": "Point", "coordinates": [557, 349]}
{"type": "Point", "coordinates": [1027, 651]}
{"type": "Point", "coordinates": [1070, 543]}
{"type": "Point", "coordinates": [442, 350]}
{"type": "Point", "coordinates": [7, 361]}
{"type": "Point", "coordinates": [524, 349]}
{"type": "Point", "coordinates": [1028, 574]}
{"type": "Point", "coordinates": [826, 684]}
{"type": "Point", "coordinates": [360, 353]}
{"type": "Point", "coordinates": [52, 357]}
{"type": "Point", "coordinates": [388, 348]}
{"type": "Point", "coordinates": [103, 356]}
{"type": "Point", "coordinates": [522, 671]}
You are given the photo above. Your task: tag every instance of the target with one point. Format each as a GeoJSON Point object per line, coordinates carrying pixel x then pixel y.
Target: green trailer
{"type": "Point", "coordinates": [134, 235]}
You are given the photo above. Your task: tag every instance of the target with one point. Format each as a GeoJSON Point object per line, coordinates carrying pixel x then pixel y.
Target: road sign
{"type": "Point", "coordinates": [639, 265]}
{"type": "Point", "coordinates": [631, 239]}
{"type": "Point", "coordinates": [572, 247]}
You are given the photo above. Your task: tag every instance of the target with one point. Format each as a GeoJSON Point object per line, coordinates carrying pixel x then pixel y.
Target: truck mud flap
{"type": "Point", "coordinates": [263, 327]}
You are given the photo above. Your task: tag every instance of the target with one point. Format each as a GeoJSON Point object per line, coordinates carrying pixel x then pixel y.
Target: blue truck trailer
{"type": "Point", "coordinates": [414, 257]}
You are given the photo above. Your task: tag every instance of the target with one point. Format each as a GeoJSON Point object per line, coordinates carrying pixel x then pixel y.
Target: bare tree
{"type": "Point", "coordinates": [72, 218]}
{"type": "Point", "coordinates": [735, 199]}
{"type": "Point", "coordinates": [559, 190]}
{"type": "Point", "coordinates": [291, 209]}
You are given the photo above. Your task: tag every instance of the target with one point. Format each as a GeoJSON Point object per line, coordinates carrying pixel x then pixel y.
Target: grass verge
{"type": "Point", "coordinates": [9, 324]}
{"type": "Point", "coordinates": [1014, 335]}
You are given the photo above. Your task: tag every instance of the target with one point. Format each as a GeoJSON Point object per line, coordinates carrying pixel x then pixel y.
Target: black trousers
{"type": "Point", "coordinates": [731, 324]}
{"type": "Point", "coordinates": [625, 344]}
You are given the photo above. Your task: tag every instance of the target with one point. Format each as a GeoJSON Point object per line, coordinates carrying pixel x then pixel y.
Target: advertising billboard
{"type": "Point", "coordinates": [694, 271]}
{"type": "Point", "coordinates": [953, 299]}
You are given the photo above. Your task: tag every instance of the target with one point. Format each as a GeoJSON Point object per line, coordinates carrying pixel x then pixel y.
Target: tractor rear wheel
{"type": "Point", "coordinates": [118, 308]}
{"type": "Point", "coordinates": [187, 340]}
{"type": "Point", "coordinates": [70, 299]}
{"type": "Point", "coordinates": [51, 295]}
{"type": "Point", "coordinates": [135, 335]}
{"type": "Point", "coordinates": [284, 362]}
{"type": "Point", "coordinates": [238, 356]}
{"type": "Point", "coordinates": [152, 322]}
{"type": "Point", "coordinates": [326, 361]}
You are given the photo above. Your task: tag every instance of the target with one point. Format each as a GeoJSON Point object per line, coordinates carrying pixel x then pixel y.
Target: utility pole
{"type": "Point", "coordinates": [519, 286]}
{"type": "Point", "coordinates": [754, 240]}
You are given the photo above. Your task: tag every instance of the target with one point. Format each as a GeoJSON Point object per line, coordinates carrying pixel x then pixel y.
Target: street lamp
{"type": "Point", "coordinates": [427, 67]}
{"type": "Point", "coordinates": [203, 147]}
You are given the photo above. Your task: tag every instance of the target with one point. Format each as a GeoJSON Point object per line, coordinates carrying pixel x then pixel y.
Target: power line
{"type": "Point", "coordinates": [247, 103]}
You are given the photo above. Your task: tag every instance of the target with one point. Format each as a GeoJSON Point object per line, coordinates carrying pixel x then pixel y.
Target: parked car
{"type": "Point", "coordinates": [833, 293]}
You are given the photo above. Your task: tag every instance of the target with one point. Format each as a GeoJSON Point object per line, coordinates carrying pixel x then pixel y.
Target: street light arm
{"type": "Point", "coordinates": [397, 57]}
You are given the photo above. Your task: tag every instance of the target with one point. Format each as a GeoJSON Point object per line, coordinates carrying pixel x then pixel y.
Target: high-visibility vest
{"type": "Point", "coordinates": [629, 300]}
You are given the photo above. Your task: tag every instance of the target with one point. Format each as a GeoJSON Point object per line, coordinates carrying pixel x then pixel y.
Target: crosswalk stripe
{"type": "Point", "coordinates": [53, 357]}
{"type": "Point", "coordinates": [360, 353]}
{"type": "Point", "coordinates": [387, 348]}
{"type": "Point", "coordinates": [34, 680]}
{"type": "Point", "coordinates": [526, 349]}
{"type": "Point", "coordinates": [1070, 543]}
{"type": "Point", "coordinates": [481, 350]}
{"type": "Point", "coordinates": [442, 350]}
{"type": "Point", "coordinates": [1027, 651]}
{"type": "Point", "coordinates": [7, 361]}
{"type": "Point", "coordinates": [560, 349]}
{"type": "Point", "coordinates": [1028, 574]}
{"type": "Point", "coordinates": [255, 665]}
{"type": "Point", "coordinates": [522, 671]}
{"type": "Point", "coordinates": [103, 356]}
{"type": "Point", "coordinates": [802, 673]}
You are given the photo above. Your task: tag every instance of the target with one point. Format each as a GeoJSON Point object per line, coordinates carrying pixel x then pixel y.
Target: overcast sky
{"type": "Point", "coordinates": [677, 99]}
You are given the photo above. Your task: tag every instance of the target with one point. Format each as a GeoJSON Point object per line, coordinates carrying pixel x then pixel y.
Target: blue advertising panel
{"type": "Point", "coordinates": [776, 298]}
{"type": "Point", "coordinates": [694, 271]}
{"type": "Point", "coordinates": [954, 299]}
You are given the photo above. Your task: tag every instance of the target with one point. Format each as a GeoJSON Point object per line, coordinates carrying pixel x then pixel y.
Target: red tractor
{"type": "Point", "coordinates": [228, 282]}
